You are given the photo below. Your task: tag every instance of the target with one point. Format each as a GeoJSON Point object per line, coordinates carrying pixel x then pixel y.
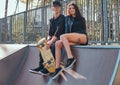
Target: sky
{"type": "Point", "coordinates": [11, 7]}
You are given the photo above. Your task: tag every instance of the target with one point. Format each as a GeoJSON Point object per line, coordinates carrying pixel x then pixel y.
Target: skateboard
{"type": "Point", "coordinates": [48, 59]}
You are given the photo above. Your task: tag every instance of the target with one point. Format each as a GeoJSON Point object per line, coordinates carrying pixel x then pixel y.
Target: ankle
{"type": "Point", "coordinates": [58, 67]}
{"type": "Point", "coordinates": [70, 57]}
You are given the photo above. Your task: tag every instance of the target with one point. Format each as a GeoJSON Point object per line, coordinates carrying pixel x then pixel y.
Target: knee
{"type": "Point", "coordinates": [58, 44]}
{"type": "Point", "coordinates": [63, 36]}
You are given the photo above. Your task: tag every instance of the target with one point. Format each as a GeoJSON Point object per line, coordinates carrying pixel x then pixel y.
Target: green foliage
{"type": "Point", "coordinates": [17, 28]}
{"type": "Point", "coordinates": [24, 1]}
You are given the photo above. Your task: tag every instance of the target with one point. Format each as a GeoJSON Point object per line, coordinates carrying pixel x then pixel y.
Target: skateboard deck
{"type": "Point", "coordinates": [49, 61]}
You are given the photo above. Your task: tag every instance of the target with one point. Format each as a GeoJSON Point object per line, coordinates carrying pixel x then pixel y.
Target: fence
{"type": "Point", "coordinates": [102, 21]}
{"type": "Point", "coordinates": [26, 27]}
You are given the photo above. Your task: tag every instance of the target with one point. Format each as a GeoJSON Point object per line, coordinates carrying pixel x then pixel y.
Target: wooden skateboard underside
{"type": "Point", "coordinates": [49, 61]}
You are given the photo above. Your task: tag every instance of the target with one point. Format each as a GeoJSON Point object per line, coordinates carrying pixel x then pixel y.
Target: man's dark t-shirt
{"type": "Point", "coordinates": [57, 26]}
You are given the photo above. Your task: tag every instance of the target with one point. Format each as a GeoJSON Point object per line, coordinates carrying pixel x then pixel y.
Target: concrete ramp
{"type": "Point", "coordinates": [11, 58]}
{"type": "Point", "coordinates": [27, 78]}
{"type": "Point", "coordinates": [99, 64]}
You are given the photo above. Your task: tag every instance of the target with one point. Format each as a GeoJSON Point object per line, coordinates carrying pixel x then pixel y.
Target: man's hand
{"type": "Point", "coordinates": [49, 43]}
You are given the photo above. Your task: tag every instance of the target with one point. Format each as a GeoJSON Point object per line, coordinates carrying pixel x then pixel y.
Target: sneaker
{"type": "Point", "coordinates": [44, 71]}
{"type": "Point", "coordinates": [70, 62]}
{"type": "Point", "coordinates": [36, 70]}
{"type": "Point", "coordinates": [56, 73]}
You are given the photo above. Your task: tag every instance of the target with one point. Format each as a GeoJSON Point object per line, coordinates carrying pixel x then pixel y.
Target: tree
{"type": "Point", "coordinates": [27, 2]}
{"type": "Point", "coordinates": [24, 1]}
{"type": "Point", "coordinates": [16, 6]}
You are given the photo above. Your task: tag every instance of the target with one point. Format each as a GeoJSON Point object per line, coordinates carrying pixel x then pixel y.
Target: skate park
{"type": "Point", "coordinates": [101, 67]}
{"type": "Point", "coordinates": [98, 62]}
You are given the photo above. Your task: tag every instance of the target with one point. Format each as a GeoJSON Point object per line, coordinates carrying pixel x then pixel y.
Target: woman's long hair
{"type": "Point", "coordinates": [77, 13]}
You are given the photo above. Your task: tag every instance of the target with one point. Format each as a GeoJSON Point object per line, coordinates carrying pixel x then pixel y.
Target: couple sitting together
{"type": "Point", "coordinates": [64, 31]}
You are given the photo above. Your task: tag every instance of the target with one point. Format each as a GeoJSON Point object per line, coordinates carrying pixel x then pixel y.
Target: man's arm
{"type": "Point", "coordinates": [60, 30]}
{"type": "Point", "coordinates": [61, 27]}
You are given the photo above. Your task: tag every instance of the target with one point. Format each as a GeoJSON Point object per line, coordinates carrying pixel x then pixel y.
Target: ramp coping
{"type": "Point", "coordinates": [98, 46]}
{"type": "Point", "coordinates": [91, 46]}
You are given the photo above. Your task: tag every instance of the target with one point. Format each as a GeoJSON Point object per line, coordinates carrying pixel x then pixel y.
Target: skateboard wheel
{"type": "Point", "coordinates": [44, 64]}
{"type": "Point", "coordinates": [51, 59]}
{"type": "Point", "coordinates": [49, 62]}
{"type": "Point", "coordinates": [40, 47]}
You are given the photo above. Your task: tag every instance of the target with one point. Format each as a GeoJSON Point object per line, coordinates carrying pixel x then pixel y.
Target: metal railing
{"type": "Point", "coordinates": [26, 27]}
{"type": "Point", "coordinates": [102, 21]}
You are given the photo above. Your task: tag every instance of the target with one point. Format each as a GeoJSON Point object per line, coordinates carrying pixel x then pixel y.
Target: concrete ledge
{"type": "Point", "coordinates": [8, 49]}
{"type": "Point", "coordinates": [97, 46]}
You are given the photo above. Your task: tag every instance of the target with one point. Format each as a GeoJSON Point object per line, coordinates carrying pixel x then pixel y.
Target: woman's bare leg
{"type": "Point", "coordinates": [58, 49]}
{"type": "Point", "coordinates": [72, 39]}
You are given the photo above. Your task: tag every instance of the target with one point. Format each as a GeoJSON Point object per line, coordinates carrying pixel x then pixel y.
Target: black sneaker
{"type": "Point", "coordinates": [36, 70]}
{"type": "Point", "coordinates": [70, 62]}
{"type": "Point", "coordinates": [44, 71]}
{"type": "Point", "coordinates": [56, 73]}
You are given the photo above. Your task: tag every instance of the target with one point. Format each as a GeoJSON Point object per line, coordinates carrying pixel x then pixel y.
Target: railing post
{"type": "Point", "coordinates": [0, 30]}
{"type": "Point", "coordinates": [42, 23]}
{"type": "Point", "coordinates": [24, 26]}
{"type": "Point", "coordinates": [10, 39]}
{"type": "Point", "coordinates": [105, 21]}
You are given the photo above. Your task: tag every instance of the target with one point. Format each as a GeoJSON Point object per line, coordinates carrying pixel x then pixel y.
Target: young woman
{"type": "Point", "coordinates": [75, 29]}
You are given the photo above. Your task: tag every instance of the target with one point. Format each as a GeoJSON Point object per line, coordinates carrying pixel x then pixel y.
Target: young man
{"type": "Point", "coordinates": [57, 24]}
